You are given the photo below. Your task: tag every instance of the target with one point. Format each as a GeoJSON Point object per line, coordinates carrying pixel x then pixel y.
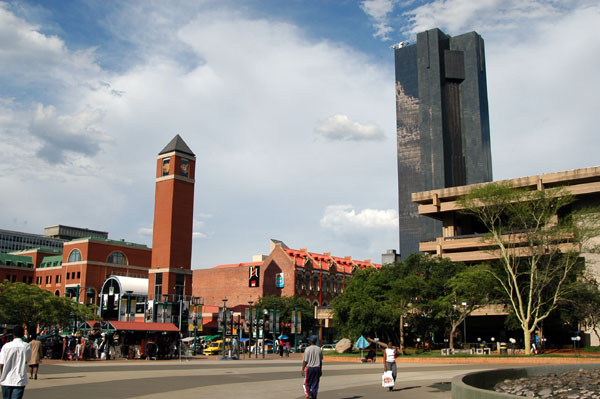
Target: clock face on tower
{"type": "Point", "coordinates": [166, 166]}
{"type": "Point", "coordinates": [184, 167]}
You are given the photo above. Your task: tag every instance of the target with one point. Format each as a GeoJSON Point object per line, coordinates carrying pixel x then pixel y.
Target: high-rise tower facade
{"type": "Point", "coordinates": [442, 123]}
{"type": "Point", "coordinates": [170, 276]}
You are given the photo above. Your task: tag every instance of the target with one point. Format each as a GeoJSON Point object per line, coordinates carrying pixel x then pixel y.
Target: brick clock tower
{"type": "Point", "coordinates": [170, 277]}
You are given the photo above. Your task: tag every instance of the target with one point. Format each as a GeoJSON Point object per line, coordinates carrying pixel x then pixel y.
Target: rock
{"type": "Point", "coordinates": [343, 345]}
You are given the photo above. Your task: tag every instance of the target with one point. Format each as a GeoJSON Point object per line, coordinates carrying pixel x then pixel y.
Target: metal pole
{"type": "Point", "coordinates": [195, 301]}
{"type": "Point", "coordinates": [465, 325]}
{"type": "Point", "coordinates": [295, 329]}
{"type": "Point", "coordinates": [128, 305]}
{"type": "Point", "coordinates": [250, 327]}
{"type": "Point", "coordinates": [264, 333]}
{"type": "Point", "coordinates": [224, 325]}
{"type": "Point", "coordinates": [166, 296]}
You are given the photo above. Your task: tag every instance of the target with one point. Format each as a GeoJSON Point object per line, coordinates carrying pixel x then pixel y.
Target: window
{"type": "Point", "coordinates": [325, 285]}
{"type": "Point", "coordinates": [179, 286]}
{"type": "Point", "coordinates": [78, 274]}
{"type": "Point", "coordinates": [299, 281]}
{"type": "Point", "coordinates": [57, 279]}
{"type": "Point", "coordinates": [117, 258]}
{"type": "Point", "coordinates": [316, 283]}
{"type": "Point", "coordinates": [75, 256]}
{"type": "Point", "coordinates": [157, 286]}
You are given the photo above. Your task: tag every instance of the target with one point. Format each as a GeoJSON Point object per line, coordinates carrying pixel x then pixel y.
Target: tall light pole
{"type": "Point", "coordinates": [128, 318]}
{"type": "Point", "coordinates": [165, 296]}
{"type": "Point", "coordinates": [295, 329]}
{"type": "Point", "coordinates": [195, 321]}
{"type": "Point", "coordinates": [250, 326]}
{"type": "Point", "coordinates": [264, 334]}
{"type": "Point", "coordinates": [224, 324]}
{"type": "Point", "coordinates": [465, 324]}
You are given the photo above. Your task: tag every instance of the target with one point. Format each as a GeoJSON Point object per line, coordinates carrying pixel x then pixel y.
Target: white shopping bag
{"type": "Point", "coordinates": [387, 379]}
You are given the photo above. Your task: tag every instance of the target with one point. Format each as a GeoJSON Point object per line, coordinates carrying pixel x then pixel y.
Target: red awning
{"type": "Point", "coordinates": [141, 326]}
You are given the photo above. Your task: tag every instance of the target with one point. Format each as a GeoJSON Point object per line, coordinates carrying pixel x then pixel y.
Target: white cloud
{"type": "Point", "coordinates": [379, 11]}
{"type": "Point", "coordinates": [246, 104]}
{"type": "Point", "coordinates": [145, 231]}
{"type": "Point", "coordinates": [459, 16]}
{"type": "Point", "coordinates": [340, 127]}
{"type": "Point", "coordinates": [63, 135]}
{"type": "Point", "coordinates": [28, 55]}
{"type": "Point", "coordinates": [342, 218]}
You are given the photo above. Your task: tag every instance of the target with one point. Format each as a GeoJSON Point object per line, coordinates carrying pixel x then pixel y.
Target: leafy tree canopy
{"type": "Point", "coordinates": [29, 305]}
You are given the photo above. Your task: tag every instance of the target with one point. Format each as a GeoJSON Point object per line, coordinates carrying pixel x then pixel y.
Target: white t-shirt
{"type": "Point", "coordinates": [13, 358]}
{"type": "Point", "coordinates": [390, 355]}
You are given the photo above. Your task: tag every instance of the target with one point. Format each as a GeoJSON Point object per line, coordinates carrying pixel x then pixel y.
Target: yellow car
{"type": "Point", "coordinates": [216, 347]}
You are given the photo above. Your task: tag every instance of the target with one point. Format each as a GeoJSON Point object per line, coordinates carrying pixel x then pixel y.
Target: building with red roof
{"type": "Point", "coordinates": [284, 272]}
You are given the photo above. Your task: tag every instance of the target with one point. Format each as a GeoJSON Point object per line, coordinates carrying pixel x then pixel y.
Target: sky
{"type": "Point", "coordinates": [287, 105]}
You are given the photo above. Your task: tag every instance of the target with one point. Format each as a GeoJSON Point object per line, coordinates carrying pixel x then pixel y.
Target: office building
{"type": "Point", "coordinates": [442, 124]}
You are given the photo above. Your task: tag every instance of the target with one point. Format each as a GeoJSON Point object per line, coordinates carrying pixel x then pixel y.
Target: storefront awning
{"type": "Point", "coordinates": [141, 326]}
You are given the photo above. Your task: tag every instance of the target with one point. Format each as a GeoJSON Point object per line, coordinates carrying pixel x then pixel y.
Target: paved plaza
{"type": "Point", "coordinates": [260, 379]}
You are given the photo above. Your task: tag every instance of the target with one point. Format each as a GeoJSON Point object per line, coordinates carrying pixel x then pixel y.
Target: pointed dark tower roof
{"type": "Point", "coordinates": [177, 144]}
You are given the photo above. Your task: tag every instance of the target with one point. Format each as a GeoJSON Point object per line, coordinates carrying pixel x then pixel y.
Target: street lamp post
{"type": "Point", "coordinates": [195, 302]}
{"type": "Point", "coordinates": [295, 329]}
{"type": "Point", "coordinates": [224, 324]}
{"type": "Point", "coordinates": [465, 325]}
{"type": "Point", "coordinates": [165, 296]}
{"type": "Point", "coordinates": [250, 326]}
{"type": "Point", "coordinates": [264, 334]}
{"type": "Point", "coordinates": [128, 318]}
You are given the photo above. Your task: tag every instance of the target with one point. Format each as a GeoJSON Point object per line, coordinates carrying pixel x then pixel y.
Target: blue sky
{"type": "Point", "coordinates": [288, 105]}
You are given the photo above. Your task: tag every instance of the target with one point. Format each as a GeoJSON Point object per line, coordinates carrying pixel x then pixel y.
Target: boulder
{"type": "Point", "coordinates": [343, 345]}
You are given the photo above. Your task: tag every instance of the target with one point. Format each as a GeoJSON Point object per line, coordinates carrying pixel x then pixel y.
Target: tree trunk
{"type": "Point", "coordinates": [451, 340]}
{"type": "Point", "coordinates": [527, 341]}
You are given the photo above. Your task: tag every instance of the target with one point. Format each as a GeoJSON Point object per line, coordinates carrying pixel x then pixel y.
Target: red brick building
{"type": "Point", "coordinates": [86, 263]}
{"type": "Point", "coordinates": [284, 272]}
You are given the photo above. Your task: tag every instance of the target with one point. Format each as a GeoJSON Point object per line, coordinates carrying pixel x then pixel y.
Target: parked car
{"type": "Point", "coordinates": [328, 347]}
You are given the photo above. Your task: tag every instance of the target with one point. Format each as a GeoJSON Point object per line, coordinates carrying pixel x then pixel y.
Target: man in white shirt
{"type": "Point", "coordinates": [13, 361]}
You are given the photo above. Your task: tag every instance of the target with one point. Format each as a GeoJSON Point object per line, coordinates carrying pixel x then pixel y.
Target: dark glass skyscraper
{"type": "Point", "coordinates": [442, 124]}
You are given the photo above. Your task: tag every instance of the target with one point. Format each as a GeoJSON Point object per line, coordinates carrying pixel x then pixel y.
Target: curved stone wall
{"type": "Point", "coordinates": [477, 385]}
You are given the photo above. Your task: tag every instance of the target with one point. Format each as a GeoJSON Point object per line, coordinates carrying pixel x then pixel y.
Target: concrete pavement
{"type": "Point", "coordinates": [249, 379]}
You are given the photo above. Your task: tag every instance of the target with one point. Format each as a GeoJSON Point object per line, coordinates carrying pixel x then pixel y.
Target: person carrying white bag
{"type": "Point", "coordinates": [389, 367]}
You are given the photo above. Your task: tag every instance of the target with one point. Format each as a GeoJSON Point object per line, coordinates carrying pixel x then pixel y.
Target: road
{"type": "Point", "coordinates": [248, 379]}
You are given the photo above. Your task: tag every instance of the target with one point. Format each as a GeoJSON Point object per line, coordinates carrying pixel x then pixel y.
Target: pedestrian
{"type": "Point", "coordinates": [13, 361]}
{"type": "Point", "coordinates": [312, 368]}
{"type": "Point", "coordinates": [280, 347]}
{"type": "Point", "coordinates": [287, 348]}
{"type": "Point", "coordinates": [390, 361]}
{"type": "Point", "coordinates": [36, 356]}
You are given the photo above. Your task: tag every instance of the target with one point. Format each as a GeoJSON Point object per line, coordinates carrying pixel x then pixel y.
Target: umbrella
{"type": "Point", "coordinates": [283, 337]}
{"type": "Point", "coordinates": [361, 343]}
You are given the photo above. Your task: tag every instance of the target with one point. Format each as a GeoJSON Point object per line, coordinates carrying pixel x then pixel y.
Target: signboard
{"type": "Point", "coordinates": [296, 322]}
{"type": "Point", "coordinates": [279, 282]}
{"type": "Point", "coordinates": [254, 276]}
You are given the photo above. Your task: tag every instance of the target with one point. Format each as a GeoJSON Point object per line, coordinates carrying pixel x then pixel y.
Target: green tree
{"type": "Point", "coordinates": [285, 308]}
{"type": "Point", "coordinates": [536, 240]}
{"type": "Point", "coordinates": [29, 305]}
{"type": "Point", "coordinates": [460, 291]}
{"type": "Point", "coordinates": [365, 307]}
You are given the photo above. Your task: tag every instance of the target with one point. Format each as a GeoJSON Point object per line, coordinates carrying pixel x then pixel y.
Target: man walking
{"type": "Point", "coordinates": [13, 361]}
{"type": "Point", "coordinates": [311, 369]}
